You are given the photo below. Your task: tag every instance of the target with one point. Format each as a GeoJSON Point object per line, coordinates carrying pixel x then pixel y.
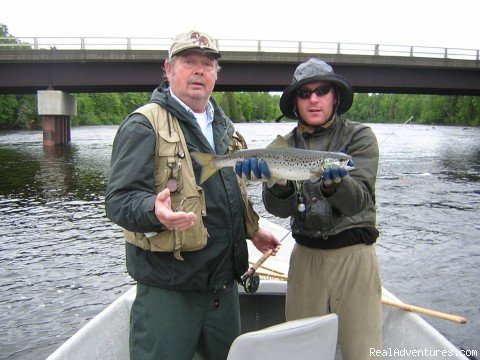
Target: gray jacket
{"type": "Point", "coordinates": [347, 205]}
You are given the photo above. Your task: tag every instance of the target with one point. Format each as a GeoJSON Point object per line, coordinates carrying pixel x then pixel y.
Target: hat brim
{"type": "Point", "coordinates": [287, 100]}
{"type": "Point", "coordinates": [207, 50]}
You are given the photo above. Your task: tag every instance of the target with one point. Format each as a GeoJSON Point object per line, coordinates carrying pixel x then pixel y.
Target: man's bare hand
{"type": "Point", "coordinates": [264, 240]}
{"type": "Point", "coordinates": [172, 220]}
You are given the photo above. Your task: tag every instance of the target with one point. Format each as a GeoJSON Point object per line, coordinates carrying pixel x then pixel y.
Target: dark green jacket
{"type": "Point", "coordinates": [130, 199]}
{"type": "Point", "coordinates": [348, 205]}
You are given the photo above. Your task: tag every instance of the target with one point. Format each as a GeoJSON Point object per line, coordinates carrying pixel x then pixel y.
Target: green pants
{"type": "Point", "coordinates": [344, 281]}
{"type": "Point", "coordinates": [169, 324]}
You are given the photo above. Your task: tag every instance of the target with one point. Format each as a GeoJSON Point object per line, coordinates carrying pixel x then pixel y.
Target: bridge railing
{"type": "Point", "coordinates": [150, 43]}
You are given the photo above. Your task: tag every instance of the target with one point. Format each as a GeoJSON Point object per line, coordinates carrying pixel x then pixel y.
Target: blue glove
{"type": "Point", "coordinates": [332, 175]}
{"type": "Point", "coordinates": [248, 166]}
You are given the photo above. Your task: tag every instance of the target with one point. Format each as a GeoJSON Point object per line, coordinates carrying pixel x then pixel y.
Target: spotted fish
{"type": "Point", "coordinates": [284, 161]}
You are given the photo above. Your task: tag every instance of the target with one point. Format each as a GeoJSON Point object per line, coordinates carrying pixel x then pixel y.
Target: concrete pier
{"type": "Point", "coordinates": [56, 107]}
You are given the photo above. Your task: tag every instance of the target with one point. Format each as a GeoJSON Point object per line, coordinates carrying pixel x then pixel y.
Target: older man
{"type": "Point", "coordinates": [185, 244]}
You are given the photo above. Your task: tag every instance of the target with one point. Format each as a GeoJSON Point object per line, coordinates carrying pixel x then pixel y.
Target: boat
{"type": "Point", "coordinates": [405, 334]}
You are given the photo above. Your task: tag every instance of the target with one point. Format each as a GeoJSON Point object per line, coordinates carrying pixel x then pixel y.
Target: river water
{"type": "Point", "coordinates": [62, 261]}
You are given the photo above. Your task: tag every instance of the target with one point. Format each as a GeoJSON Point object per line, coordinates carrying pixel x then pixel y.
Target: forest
{"type": "Point", "coordinates": [18, 111]}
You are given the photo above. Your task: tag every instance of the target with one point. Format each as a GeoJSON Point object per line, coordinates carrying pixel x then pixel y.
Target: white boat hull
{"type": "Point", "coordinates": [405, 335]}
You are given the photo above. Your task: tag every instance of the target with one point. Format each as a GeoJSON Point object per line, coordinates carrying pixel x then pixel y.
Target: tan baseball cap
{"type": "Point", "coordinates": [193, 40]}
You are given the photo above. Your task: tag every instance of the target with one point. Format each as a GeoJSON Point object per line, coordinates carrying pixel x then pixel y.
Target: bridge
{"type": "Point", "coordinates": [136, 64]}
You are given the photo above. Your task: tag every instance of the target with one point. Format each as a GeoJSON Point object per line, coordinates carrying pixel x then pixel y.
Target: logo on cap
{"type": "Point", "coordinates": [201, 40]}
{"type": "Point", "coordinates": [193, 39]}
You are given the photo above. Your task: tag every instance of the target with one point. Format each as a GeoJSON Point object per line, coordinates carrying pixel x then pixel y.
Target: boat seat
{"type": "Point", "coordinates": [304, 339]}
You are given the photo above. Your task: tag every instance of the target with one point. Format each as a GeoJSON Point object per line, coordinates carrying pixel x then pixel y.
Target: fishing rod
{"type": "Point", "coordinates": [412, 308]}
{"type": "Point", "coordinates": [251, 280]}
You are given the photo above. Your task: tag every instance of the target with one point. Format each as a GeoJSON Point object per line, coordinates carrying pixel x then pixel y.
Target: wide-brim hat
{"type": "Point", "coordinates": [193, 40]}
{"type": "Point", "coordinates": [311, 71]}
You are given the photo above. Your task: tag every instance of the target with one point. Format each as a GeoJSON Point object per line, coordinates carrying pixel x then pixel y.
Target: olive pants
{"type": "Point", "coordinates": [169, 324]}
{"type": "Point", "coordinates": [344, 281]}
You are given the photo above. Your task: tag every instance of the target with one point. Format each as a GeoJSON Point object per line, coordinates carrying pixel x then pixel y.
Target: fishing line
{"type": "Point", "coordinates": [393, 132]}
{"type": "Point", "coordinates": [250, 280]}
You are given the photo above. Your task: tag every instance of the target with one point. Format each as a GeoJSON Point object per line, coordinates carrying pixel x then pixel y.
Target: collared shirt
{"type": "Point", "coordinates": [204, 120]}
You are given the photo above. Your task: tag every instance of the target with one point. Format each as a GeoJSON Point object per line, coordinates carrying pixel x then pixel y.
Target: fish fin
{"type": "Point", "coordinates": [205, 160]}
{"type": "Point", "coordinates": [315, 175]}
{"type": "Point", "coordinates": [271, 181]}
{"type": "Point", "coordinates": [279, 143]}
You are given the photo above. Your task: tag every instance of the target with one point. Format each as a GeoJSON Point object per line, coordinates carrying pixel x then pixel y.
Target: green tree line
{"type": "Point", "coordinates": [425, 109]}
{"type": "Point", "coordinates": [19, 111]}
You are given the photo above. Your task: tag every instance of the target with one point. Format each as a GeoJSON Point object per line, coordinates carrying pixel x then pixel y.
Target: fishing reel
{"type": "Point", "coordinates": [250, 282]}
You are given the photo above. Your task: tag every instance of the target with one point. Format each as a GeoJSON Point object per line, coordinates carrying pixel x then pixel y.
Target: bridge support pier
{"type": "Point", "coordinates": [56, 107]}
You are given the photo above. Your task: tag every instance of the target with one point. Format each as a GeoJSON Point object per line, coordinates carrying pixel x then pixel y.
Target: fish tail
{"type": "Point", "coordinates": [205, 160]}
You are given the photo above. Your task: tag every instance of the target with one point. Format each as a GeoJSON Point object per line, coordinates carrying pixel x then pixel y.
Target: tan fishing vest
{"type": "Point", "coordinates": [173, 162]}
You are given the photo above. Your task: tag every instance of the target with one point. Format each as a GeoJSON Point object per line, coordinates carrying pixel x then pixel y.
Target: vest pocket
{"type": "Point", "coordinates": [191, 239]}
{"type": "Point", "coordinates": [195, 237]}
{"type": "Point", "coordinates": [318, 215]}
{"type": "Point", "coordinates": [169, 161]}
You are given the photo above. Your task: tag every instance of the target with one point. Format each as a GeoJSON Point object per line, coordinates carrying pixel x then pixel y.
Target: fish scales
{"type": "Point", "coordinates": [290, 163]}
{"type": "Point", "coordinates": [284, 163]}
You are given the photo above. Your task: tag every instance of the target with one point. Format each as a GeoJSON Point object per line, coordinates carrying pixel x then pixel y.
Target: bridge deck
{"type": "Point", "coordinates": [263, 67]}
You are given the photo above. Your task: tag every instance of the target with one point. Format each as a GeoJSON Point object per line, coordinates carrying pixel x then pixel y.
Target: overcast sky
{"type": "Point", "coordinates": [439, 23]}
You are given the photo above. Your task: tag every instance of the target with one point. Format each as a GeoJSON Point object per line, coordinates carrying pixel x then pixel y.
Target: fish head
{"type": "Point", "coordinates": [346, 161]}
{"type": "Point", "coordinates": [339, 160]}
{"type": "Point", "coordinates": [336, 160]}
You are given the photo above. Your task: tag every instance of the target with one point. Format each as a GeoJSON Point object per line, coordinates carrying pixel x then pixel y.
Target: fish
{"type": "Point", "coordinates": [284, 162]}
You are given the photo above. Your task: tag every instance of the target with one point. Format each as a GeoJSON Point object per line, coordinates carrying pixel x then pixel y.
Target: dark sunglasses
{"type": "Point", "coordinates": [319, 91]}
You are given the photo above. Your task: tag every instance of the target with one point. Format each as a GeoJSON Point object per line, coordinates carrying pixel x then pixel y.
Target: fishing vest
{"type": "Point", "coordinates": [173, 164]}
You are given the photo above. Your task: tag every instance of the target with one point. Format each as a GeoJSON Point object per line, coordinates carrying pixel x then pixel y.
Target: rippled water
{"type": "Point", "coordinates": [62, 261]}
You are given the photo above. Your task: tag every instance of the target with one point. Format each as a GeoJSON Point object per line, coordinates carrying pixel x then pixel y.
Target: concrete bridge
{"type": "Point", "coordinates": [134, 64]}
